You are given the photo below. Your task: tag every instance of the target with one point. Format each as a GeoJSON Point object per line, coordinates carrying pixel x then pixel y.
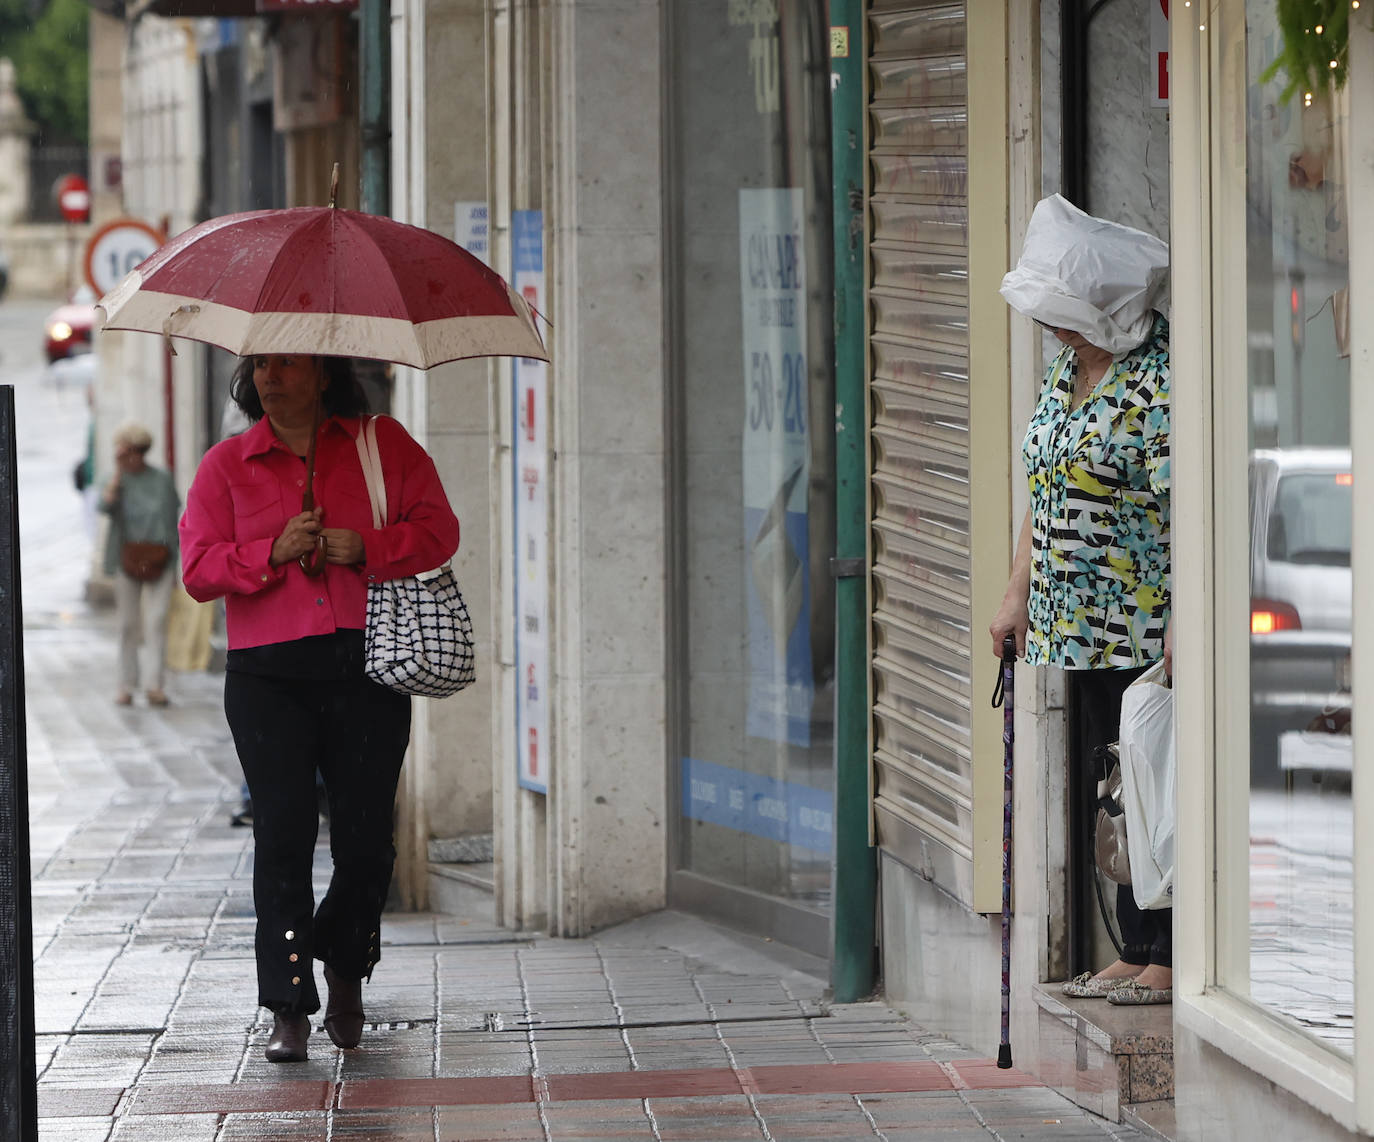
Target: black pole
{"type": "Point", "coordinates": [18, 1079]}
{"type": "Point", "coordinates": [1073, 96]}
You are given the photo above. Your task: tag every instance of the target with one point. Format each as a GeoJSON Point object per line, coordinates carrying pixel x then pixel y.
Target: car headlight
{"type": "Point", "coordinates": [59, 331]}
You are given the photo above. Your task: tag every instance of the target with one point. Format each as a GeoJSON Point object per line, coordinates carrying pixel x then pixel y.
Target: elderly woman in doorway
{"type": "Point", "coordinates": [295, 694]}
{"type": "Point", "coordinates": [1089, 588]}
{"type": "Point", "coordinates": [142, 504]}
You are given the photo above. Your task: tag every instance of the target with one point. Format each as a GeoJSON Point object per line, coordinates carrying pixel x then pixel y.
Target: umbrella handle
{"type": "Point", "coordinates": [312, 562]}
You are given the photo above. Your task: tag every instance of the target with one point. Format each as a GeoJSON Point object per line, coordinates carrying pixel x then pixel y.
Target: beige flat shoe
{"type": "Point", "coordinates": [124, 698]}
{"type": "Point", "coordinates": [157, 698]}
{"type": "Point", "coordinates": [1133, 994]}
{"type": "Point", "coordinates": [1088, 986]}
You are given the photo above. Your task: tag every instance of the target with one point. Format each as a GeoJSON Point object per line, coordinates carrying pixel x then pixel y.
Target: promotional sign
{"type": "Point", "coordinates": [1159, 53]}
{"type": "Point", "coordinates": [470, 229]}
{"type": "Point", "coordinates": [531, 563]}
{"type": "Point", "coordinates": [306, 5]}
{"type": "Point", "coordinates": [115, 249]}
{"type": "Point", "coordinates": [776, 465]}
{"type": "Point", "coordinates": [763, 806]}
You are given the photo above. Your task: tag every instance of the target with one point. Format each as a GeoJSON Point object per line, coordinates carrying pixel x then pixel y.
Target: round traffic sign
{"type": "Point", "coordinates": [73, 198]}
{"type": "Point", "coordinates": [115, 249]}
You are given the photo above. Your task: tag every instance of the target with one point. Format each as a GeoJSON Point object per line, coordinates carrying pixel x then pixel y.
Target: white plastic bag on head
{"type": "Point", "coordinates": [1148, 777]}
{"type": "Point", "coordinates": [1098, 278]}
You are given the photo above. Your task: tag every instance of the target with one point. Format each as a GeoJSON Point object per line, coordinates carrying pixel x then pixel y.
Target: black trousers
{"type": "Point", "coordinates": [1147, 936]}
{"type": "Point", "coordinates": [356, 733]}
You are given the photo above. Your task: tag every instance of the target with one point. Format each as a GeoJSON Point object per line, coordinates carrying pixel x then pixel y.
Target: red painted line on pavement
{"type": "Point", "coordinates": [643, 1084]}
{"type": "Point", "coordinates": [499, 1090]}
{"type": "Point", "coordinates": [956, 1080]}
{"type": "Point", "coordinates": [983, 1074]}
{"type": "Point", "coordinates": [851, 1078]}
{"type": "Point", "coordinates": [388, 1094]}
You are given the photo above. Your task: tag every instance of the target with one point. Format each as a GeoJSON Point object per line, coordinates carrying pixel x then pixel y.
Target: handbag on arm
{"type": "Point", "coordinates": [418, 638]}
{"type": "Point", "coordinates": [144, 561]}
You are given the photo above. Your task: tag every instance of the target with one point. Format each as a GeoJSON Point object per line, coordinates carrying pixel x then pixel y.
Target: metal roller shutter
{"type": "Point", "coordinates": [921, 573]}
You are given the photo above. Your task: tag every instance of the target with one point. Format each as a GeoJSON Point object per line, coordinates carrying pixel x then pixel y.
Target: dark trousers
{"type": "Point", "coordinates": [356, 733]}
{"type": "Point", "coordinates": [1147, 936]}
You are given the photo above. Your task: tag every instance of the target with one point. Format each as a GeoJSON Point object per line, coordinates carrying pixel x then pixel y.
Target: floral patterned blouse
{"type": "Point", "coordinates": [1099, 486]}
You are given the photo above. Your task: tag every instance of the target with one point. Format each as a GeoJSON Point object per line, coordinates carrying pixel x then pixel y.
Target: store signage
{"type": "Point", "coordinates": [531, 563]}
{"type": "Point", "coordinates": [115, 249]}
{"type": "Point", "coordinates": [306, 5]}
{"type": "Point", "coordinates": [776, 464]}
{"type": "Point", "coordinates": [470, 229]}
{"type": "Point", "coordinates": [763, 806]}
{"type": "Point", "coordinates": [1159, 53]}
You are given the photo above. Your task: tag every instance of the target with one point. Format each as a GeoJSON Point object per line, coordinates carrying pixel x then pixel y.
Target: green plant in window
{"type": "Point", "coordinates": [1315, 37]}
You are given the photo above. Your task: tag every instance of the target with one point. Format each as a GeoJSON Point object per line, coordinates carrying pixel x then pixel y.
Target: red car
{"type": "Point", "coordinates": [67, 329]}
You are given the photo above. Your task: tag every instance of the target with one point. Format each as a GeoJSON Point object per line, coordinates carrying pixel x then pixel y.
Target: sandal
{"type": "Point", "coordinates": [157, 698]}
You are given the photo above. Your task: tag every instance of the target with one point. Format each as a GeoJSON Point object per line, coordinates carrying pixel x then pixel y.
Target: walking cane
{"type": "Point", "coordinates": [1003, 696]}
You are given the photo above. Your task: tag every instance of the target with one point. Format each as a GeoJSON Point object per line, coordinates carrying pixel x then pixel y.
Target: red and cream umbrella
{"type": "Point", "coordinates": [324, 281]}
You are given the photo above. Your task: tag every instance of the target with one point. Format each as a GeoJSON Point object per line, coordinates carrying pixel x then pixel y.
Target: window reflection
{"type": "Point", "coordinates": [1301, 960]}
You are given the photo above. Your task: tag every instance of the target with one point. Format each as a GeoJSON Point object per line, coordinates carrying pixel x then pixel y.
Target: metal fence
{"type": "Point", "coordinates": [48, 162]}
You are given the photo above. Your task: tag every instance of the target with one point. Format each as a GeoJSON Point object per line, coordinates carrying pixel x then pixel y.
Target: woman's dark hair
{"type": "Point", "coordinates": [343, 396]}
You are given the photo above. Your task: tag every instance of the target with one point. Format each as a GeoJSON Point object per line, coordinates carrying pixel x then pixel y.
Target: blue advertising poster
{"type": "Point", "coordinates": [776, 465]}
{"type": "Point", "coordinates": [782, 811]}
{"type": "Point", "coordinates": [531, 561]}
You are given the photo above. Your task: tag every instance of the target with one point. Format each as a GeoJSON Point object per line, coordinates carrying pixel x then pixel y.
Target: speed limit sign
{"type": "Point", "coordinates": [115, 249]}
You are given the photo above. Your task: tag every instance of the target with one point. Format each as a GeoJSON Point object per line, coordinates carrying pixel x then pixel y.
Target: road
{"type": "Point", "coordinates": [51, 423]}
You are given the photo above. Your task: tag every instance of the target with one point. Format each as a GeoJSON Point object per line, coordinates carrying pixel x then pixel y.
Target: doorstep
{"type": "Point", "coordinates": [1105, 1058]}
{"type": "Point", "coordinates": [451, 885]}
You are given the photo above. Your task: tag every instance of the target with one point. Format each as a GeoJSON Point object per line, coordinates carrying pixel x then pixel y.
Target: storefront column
{"type": "Point", "coordinates": [1361, 82]}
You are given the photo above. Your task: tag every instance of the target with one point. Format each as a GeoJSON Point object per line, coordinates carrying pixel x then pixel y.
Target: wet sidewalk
{"type": "Point", "coordinates": [665, 1028]}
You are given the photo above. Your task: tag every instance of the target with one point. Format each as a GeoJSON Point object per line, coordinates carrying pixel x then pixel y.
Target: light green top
{"type": "Point", "coordinates": [146, 512]}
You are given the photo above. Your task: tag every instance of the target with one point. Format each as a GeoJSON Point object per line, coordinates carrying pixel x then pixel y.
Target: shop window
{"type": "Point", "coordinates": [1300, 872]}
{"type": "Point", "coordinates": [753, 659]}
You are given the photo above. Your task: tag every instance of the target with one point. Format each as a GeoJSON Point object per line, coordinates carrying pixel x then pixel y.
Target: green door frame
{"type": "Point", "coordinates": [853, 964]}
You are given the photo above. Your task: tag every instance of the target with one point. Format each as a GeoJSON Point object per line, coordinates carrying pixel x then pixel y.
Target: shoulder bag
{"type": "Point", "coordinates": [419, 636]}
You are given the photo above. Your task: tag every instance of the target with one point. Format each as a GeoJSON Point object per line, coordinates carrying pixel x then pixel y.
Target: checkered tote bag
{"type": "Point", "coordinates": [419, 635]}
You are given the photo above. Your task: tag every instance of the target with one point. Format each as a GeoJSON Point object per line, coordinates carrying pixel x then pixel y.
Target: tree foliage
{"type": "Point", "coordinates": [49, 50]}
{"type": "Point", "coordinates": [1316, 46]}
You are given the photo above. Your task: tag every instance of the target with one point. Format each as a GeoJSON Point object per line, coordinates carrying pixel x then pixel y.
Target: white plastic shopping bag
{"type": "Point", "coordinates": [1148, 775]}
{"type": "Point", "coordinates": [1088, 274]}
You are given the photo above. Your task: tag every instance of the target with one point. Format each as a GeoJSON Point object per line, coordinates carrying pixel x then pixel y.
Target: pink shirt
{"type": "Point", "coordinates": [248, 486]}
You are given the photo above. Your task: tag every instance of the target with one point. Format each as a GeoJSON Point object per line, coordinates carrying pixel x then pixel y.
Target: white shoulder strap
{"type": "Point", "coordinates": [371, 461]}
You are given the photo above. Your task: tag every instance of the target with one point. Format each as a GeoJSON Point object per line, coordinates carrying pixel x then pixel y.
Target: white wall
{"type": "Point", "coordinates": [162, 151]}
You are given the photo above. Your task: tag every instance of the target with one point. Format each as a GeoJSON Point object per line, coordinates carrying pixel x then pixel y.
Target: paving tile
{"type": "Point", "coordinates": [167, 1128]}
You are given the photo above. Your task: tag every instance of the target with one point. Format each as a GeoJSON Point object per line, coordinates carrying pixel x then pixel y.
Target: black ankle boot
{"type": "Point", "coordinates": [289, 1034]}
{"type": "Point", "coordinates": [343, 1015]}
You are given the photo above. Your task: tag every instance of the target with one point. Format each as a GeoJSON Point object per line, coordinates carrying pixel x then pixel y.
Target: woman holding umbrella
{"type": "Point", "coordinates": [1089, 589]}
{"type": "Point", "coordinates": [295, 589]}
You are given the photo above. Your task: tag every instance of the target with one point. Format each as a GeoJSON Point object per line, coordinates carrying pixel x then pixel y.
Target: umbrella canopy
{"type": "Point", "coordinates": [319, 280]}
